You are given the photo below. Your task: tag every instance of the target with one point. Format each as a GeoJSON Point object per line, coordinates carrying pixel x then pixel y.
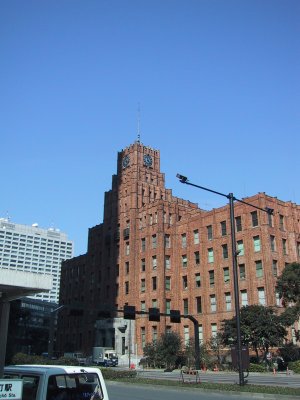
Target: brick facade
{"type": "Point", "coordinates": [157, 250]}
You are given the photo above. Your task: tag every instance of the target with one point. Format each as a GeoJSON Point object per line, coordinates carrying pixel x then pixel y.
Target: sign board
{"type": "Point", "coordinates": [11, 389]}
{"type": "Point", "coordinates": [245, 357]}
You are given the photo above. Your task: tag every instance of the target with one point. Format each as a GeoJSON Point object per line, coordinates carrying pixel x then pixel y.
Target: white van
{"type": "Point", "coordinates": [57, 382]}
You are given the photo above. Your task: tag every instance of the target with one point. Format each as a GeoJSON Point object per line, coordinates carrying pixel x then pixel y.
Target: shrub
{"type": "Point", "coordinates": [112, 374]}
{"type": "Point", "coordinates": [295, 366]}
{"type": "Point", "coordinates": [257, 368]}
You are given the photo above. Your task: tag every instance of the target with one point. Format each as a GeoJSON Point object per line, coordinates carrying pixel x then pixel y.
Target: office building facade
{"type": "Point", "coordinates": [156, 250]}
{"type": "Point", "coordinates": [33, 249]}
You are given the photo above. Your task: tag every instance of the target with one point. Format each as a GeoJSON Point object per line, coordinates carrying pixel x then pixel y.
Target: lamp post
{"type": "Point", "coordinates": [231, 198]}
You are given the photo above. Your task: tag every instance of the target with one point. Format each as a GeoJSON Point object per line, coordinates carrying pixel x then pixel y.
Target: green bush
{"type": "Point", "coordinates": [257, 368]}
{"type": "Point", "coordinates": [112, 374]}
{"type": "Point", "coordinates": [21, 359]}
{"type": "Point", "coordinates": [294, 366]}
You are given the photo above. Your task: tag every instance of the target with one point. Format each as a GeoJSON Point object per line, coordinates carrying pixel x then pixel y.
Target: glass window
{"type": "Point", "coordinates": [228, 301]}
{"type": "Point", "coordinates": [198, 280]}
{"type": "Point", "coordinates": [126, 287]}
{"type": "Point", "coordinates": [261, 296]}
{"type": "Point", "coordinates": [127, 248]}
{"type": "Point", "coordinates": [154, 242]}
{"type": "Point", "coordinates": [186, 335]}
{"type": "Point", "coordinates": [184, 260]}
{"type": "Point", "coordinates": [272, 243]}
{"type": "Point", "coordinates": [284, 247]}
{"type": "Point", "coordinates": [259, 269]}
{"type": "Point", "coordinates": [143, 265]}
{"type": "Point", "coordinates": [242, 271]}
{"type": "Point", "coordinates": [167, 262]}
{"type": "Point", "coordinates": [209, 232]}
{"type": "Point", "coordinates": [143, 244]}
{"type": "Point", "coordinates": [213, 304]}
{"type": "Point", "coordinates": [223, 228]}
{"type": "Point", "coordinates": [210, 255]}
{"type": "Point", "coordinates": [167, 241]}
{"type": "Point", "coordinates": [238, 224]}
{"type": "Point", "coordinates": [183, 240]}
{"type": "Point", "coordinates": [254, 218]}
{"type": "Point", "coordinates": [200, 330]}
{"type": "Point", "coordinates": [168, 283]}
{"type": "Point", "coordinates": [185, 306]}
{"type": "Point", "coordinates": [184, 282]}
{"type": "Point", "coordinates": [196, 236]}
{"type": "Point", "coordinates": [240, 247]}
{"type": "Point", "coordinates": [199, 305]}
{"type": "Point", "coordinates": [274, 268]}
{"type": "Point", "coordinates": [154, 283]}
{"type": "Point", "coordinates": [281, 222]}
{"type": "Point", "coordinates": [154, 262]}
{"type": "Point", "coordinates": [211, 278]}
{"type": "Point", "coordinates": [154, 333]}
{"type": "Point", "coordinates": [168, 306]}
{"type": "Point", "coordinates": [225, 251]}
{"type": "Point", "coordinates": [143, 285]}
{"type": "Point", "coordinates": [256, 243]}
{"type": "Point", "coordinates": [197, 257]}
{"type": "Point", "coordinates": [226, 275]}
{"type": "Point", "coordinates": [244, 297]}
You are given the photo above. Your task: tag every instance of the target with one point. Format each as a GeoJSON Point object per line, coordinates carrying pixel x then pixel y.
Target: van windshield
{"type": "Point", "coordinates": [80, 386]}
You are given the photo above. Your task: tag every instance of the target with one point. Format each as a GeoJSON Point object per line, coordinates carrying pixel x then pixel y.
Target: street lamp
{"type": "Point", "coordinates": [231, 198]}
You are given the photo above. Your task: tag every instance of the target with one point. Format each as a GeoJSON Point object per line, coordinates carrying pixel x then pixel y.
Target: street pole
{"type": "Point", "coordinates": [236, 291]}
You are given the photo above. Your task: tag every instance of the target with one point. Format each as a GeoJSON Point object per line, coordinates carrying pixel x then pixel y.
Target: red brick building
{"type": "Point", "coordinates": [157, 250]}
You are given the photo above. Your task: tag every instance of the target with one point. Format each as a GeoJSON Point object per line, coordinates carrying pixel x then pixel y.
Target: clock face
{"type": "Point", "coordinates": [147, 160]}
{"type": "Point", "coordinates": [125, 161]}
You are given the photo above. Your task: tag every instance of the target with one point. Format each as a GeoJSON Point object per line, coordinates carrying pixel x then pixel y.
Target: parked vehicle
{"type": "Point", "coordinates": [105, 356]}
{"type": "Point", "coordinates": [78, 356]}
{"type": "Point", "coordinates": [53, 382]}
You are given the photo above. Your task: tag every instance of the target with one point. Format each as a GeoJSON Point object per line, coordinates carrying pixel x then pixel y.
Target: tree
{"type": "Point", "coordinates": [261, 329]}
{"type": "Point", "coordinates": [288, 286]}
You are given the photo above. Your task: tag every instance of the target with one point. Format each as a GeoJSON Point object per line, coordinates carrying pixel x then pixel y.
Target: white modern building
{"type": "Point", "coordinates": [32, 249]}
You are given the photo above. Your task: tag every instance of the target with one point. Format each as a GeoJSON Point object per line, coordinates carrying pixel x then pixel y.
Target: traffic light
{"type": "Point", "coordinates": [154, 314]}
{"type": "Point", "coordinates": [129, 312]}
{"type": "Point", "coordinates": [175, 316]}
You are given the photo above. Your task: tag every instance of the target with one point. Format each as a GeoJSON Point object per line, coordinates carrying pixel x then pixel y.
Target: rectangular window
{"type": "Point", "coordinates": [127, 248]}
{"type": "Point", "coordinates": [154, 303]}
{"type": "Point", "coordinates": [143, 244]}
{"type": "Point", "coordinates": [256, 243]}
{"type": "Point", "coordinates": [186, 335]}
{"type": "Point", "coordinates": [196, 236]}
{"type": "Point", "coordinates": [154, 283]}
{"type": "Point", "coordinates": [277, 299]}
{"type": "Point", "coordinates": [225, 251]}
{"type": "Point", "coordinates": [183, 240]}
{"type": "Point", "coordinates": [126, 287]}
{"type": "Point", "coordinates": [143, 336]}
{"type": "Point", "coordinates": [274, 268]}
{"type": "Point", "coordinates": [261, 296]}
{"type": "Point", "coordinates": [168, 306]}
{"type": "Point", "coordinates": [240, 247]}
{"type": "Point", "coordinates": [242, 269]}
{"type": "Point", "coordinates": [197, 257]}
{"type": "Point", "coordinates": [143, 285]}
{"type": "Point", "coordinates": [213, 304]}
{"type": "Point", "coordinates": [259, 269]}
{"type": "Point", "coordinates": [154, 241]}
{"type": "Point", "coordinates": [198, 280]}
{"type": "Point", "coordinates": [228, 301]}
{"type": "Point", "coordinates": [167, 241]}
{"type": "Point", "coordinates": [198, 305]}
{"type": "Point", "coordinates": [185, 306]}
{"type": "Point", "coordinates": [154, 334]}
{"type": "Point", "coordinates": [214, 330]}
{"type": "Point", "coordinates": [143, 306]}
{"type": "Point", "coordinates": [184, 282]}
{"type": "Point", "coordinates": [298, 249]}
{"type": "Point", "coordinates": [209, 232]}
{"type": "Point", "coordinates": [127, 267]}
{"type": "Point", "coordinates": [184, 260]}
{"type": "Point", "coordinates": [281, 222]}
{"type": "Point", "coordinates": [254, 218]}
{"type": "Point", "coordinates": [223, 228]}
{"type": "Point", "coordinates": [210, 254]}
{"type": "Point", "coordinates": [244, 297]}
{"type": "Point", "coordinates": [238, 224]}
{"type": "Point", "coordinates": [167, 262]}
{"type": "Point", "coordinates": [168, 283]}
{"type": "Point", "coordinates": [154, 262]}
{"type": "Point", "coordinates": [200, 330]}
{"type": "Point", "coordinates": [150, 219]}
{"type": "Point", "coordinates": [272, 243]}
{"type": "Point", "coordinates": [211, 278]}
{"type": "Point", "coordinates": [226, 275]}
{"type": "Point", "coordinates": [284, 247]}
{"type": "Point", "coordinates": [143, 265]}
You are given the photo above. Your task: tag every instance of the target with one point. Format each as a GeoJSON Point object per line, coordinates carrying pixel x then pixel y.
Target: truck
{"type": "Point", "coordinates": [105, 356]}
{"type": "Point", "coordinates": [78, 356]}
{"type": "Point", "coordinates": [50, 382]}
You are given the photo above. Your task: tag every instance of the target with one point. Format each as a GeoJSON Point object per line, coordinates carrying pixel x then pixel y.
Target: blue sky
{"type": "Point", "coordinates": [217, 82]}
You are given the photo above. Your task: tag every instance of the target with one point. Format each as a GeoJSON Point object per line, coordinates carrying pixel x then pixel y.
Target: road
{"type": "Point", "coordinates": [282, 379]}
{"type": "Point", "coordinates": [122, 391]}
